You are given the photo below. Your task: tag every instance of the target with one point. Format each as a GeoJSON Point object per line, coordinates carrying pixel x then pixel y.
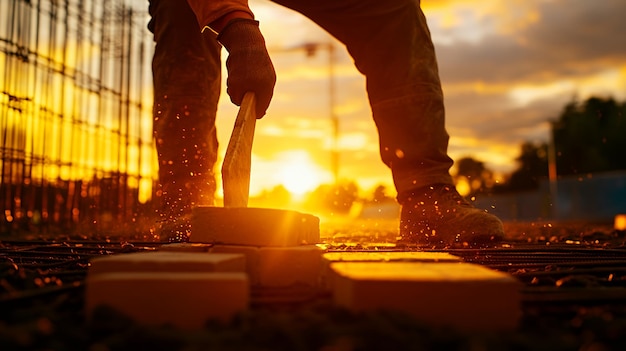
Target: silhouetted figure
{"type": "Point", "coordinates": [390, 44]}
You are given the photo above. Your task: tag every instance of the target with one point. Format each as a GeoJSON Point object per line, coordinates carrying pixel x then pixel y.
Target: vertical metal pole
{"type": "Point", "coordinates": [67, 160]}
{"type": "Point", "coordinates": [78, 123]}
{"type": "Point", "coordinates": [128, 207]}
{"type": "Point", "coordinates": [140, 105]}
{"type": "Point", "coordinates": [6, 162]}
{"type": "Point", "coordinates": [28, 119]}
{"type": "Point", "coordinates": [92, 128]}
{"type": "Point", "coordinates": [101, 154]}
{"type": "Point", "coordinates": [35, 184]}
{"type": "Point", "coordinates": [48, 162]}
{"type": "Point", "coordinates": [552, 172]}
{"type": "Point", "coordinates": [123, 118]}
{"type": "Point", "coordinates": [333, 116]}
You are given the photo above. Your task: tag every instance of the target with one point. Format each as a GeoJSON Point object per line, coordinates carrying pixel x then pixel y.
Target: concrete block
{"type": "Point", "coordinates": [164, 261]}
{"type": "Point", "coordinates": [276, 267]}
{"type": "Point", "coordinates": [252, 258]}
{"type": "Point", "coordinates": [371, 256]}
{"type": "Point", "coordinates": [390, 256]}
{"type": "Point", "coordinates": [253, 227]}
{"type": "Point", "coordinates": [183, 300]}
{"type": "Point", "coordinates": [460, 295]}
{"type": "Point", "coordinates": [186, 247]}
{"type": "Point", "coordinates": [287, 266]}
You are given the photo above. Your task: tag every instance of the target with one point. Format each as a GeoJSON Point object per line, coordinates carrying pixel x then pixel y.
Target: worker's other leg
{"type": "Point", "coordinates": [186, 74]}
{"type": "Point", "coordinates": [391, 45]}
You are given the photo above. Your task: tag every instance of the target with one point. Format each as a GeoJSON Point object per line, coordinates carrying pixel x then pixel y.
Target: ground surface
{"type": "Point", "coordinates": [575, 298]}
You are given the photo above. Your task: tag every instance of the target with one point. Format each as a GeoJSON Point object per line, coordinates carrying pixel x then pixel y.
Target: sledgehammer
{"type": "Point", "coordinates": [235, 223]}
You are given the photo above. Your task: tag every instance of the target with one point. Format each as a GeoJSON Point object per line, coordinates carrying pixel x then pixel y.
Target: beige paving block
{"type": "Point", "coordinates": [186, 247]}
{"type": "Point", "coordinates": [279, 266]}
{"type": "Point", "coordinates": [461, 295]}
{"type": "Point", "coordinates": [251, 254]}
{"type": "Point", "coordinates": [286, 266]}
{"type": "Point", "coordinates": [372, 256]}
{"type": "Point", "coordinates": [390, 256]}
{"type": "Point", "coordinates": [253, 227]}
{"type": "Point", "coordinates": [184, 300]}
{"type": "Point", "coordinates": [164, 261]}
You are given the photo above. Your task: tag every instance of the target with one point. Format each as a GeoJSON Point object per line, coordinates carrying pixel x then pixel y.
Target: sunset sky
{"type": "Point", "coordinates": [507, 68]}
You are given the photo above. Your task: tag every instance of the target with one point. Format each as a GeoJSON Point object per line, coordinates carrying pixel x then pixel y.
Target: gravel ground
{"type": "Point", "coordinates": [575, 299]}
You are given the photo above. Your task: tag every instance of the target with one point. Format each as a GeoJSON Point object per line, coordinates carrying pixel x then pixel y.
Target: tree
{"type": "Point", "coordinates": [337, 198]}
{"type": "Point", "coordinates": [590, 137]}
{"type": "Point", "coordinates": [380, 194]}
{"type": "Point", "coordinates": [532, 167]}
{"type": "Point", "coordinates": [472, 176]}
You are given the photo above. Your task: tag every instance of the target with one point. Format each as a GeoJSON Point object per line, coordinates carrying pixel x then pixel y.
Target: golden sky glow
{"type": "Point", "coordinates": [507, 68]}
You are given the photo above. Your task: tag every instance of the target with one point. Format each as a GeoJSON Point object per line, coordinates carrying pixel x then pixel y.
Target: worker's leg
{"type": "Point", "coordinates": [391, 45]}
{"type": "Point", "coordinates": [186, 72]}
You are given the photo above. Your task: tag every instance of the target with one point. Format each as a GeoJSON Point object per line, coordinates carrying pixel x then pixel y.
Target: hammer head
{"type": "Point", "coordinates": [253, 226]}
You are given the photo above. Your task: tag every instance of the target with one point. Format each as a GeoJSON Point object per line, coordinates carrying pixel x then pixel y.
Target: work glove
{"type": "Point", "coordinates": [249, 65]}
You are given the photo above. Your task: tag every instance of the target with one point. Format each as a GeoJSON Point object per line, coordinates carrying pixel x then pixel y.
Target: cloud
{"type": "Point", "coordinates": [503, 85]}
{"type": "Point", "coordinates": [569, 38]}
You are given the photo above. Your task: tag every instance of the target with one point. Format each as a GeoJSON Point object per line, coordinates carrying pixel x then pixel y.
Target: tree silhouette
{"type": "Point", "coordinates": [380, 194]}
{"type": "Point", "coordinates": [532, 167]}
{"type": "Point", "coordinates": [337, 198]}
{"type": "Point", "coordinates": [591, 137]}
{"type": "Point", "coordinates": [588, 137]}
{"type": "Point", "coordinates": [474, 173]}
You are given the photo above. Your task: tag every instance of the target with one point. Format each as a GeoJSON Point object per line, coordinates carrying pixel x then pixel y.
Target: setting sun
{"type": "Point", "coordinates": [298, 173]}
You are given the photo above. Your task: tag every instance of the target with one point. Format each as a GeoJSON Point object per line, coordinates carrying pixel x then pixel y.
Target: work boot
{"type": "Point", "coordinates": [438, 216]}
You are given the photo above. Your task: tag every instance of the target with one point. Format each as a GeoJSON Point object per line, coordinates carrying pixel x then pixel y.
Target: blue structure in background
{"type": "Point", "coordinates": [598, 197]}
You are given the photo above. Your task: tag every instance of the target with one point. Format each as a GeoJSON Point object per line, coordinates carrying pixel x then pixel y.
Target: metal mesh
{"type": "Point", "coordinates": [76, 145]}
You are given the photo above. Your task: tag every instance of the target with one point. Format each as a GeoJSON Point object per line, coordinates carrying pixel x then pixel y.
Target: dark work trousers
{"type": "Point", "coordinates": [187, 77]}
{"type": "Point", "coordinates": [390, 44]}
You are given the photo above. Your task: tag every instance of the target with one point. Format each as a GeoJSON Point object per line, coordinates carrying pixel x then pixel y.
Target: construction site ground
{"type": "Point", "coordinates": [574, 297]}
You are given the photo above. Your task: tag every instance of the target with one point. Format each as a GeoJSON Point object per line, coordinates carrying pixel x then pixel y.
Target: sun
{"type": "Point", "coordinates": [298, 179]}
{"type": "Point", "coordinates": [299, 174]}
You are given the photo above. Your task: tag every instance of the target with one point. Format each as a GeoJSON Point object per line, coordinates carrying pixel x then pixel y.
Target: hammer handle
{"type": "Point", "coordinates": [238, 158]}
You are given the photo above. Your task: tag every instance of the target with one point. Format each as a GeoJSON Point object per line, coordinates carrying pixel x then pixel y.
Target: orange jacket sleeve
{"type": "Point", "coordinates": [208, 11]}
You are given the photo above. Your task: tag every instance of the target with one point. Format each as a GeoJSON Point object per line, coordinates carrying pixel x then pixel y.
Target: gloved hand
{"type": "Point", "coordinates": [249, 65]}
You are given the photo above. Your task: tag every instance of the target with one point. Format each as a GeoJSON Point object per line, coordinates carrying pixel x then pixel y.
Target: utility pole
{"type": "Point", "coordinates": [311, 50]}
{"type": "Point", "coordinates": [333, 116]}
{"type": "Point", "coordinates": [552, 171]}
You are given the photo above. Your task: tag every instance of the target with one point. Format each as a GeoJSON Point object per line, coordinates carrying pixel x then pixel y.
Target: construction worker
{"type": "Point", "coordinates": [390, 44]}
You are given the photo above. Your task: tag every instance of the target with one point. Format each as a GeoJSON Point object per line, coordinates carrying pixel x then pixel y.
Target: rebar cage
{"type": "Point", "coordinates": [76, 147]}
